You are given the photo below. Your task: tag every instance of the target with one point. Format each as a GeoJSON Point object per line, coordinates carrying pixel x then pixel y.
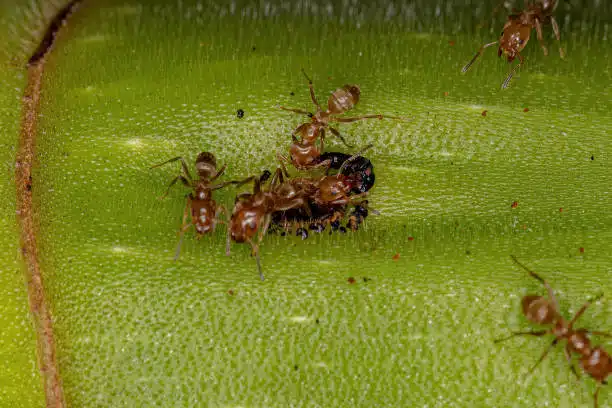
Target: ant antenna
{"type": "Point", "coordinates": [307, 78]}
{"type": "Point", "coordinates": [353, 157]}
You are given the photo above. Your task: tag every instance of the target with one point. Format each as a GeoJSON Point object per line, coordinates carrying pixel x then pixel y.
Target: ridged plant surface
{"type": "Point", "coordinates": [475, 174]}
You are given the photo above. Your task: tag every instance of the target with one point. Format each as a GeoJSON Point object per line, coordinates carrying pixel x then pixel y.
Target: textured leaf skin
{"type": "Point", "coordinates": [132, 85]}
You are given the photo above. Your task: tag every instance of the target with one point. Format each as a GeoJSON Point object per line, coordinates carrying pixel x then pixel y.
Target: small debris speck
{"type": "Point", "coordinates": [526, 110]}
{"type": "Point", "coordinates": [581, 250]}
{"type": "Point", "coordinates": [514, 204]}
{"type": "Point", "coordinates": [240, 113]}
{"type": "Point", "coordinates": [484, 113]}
{"type": "Point", "coordinates": [351, 280]}
{"type": "Point", "coordinates": [396, 257]}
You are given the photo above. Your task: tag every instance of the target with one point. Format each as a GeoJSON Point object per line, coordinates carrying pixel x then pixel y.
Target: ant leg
{"type": "Point", "coordinates": [300, 111]}
{"type": "Point", "coordinates": [220, 172]}
{"type": "Point", "coordinates": [598, 333]}
{"type": "Point", "coordinates": [229, 239]}
{"type": "Point", "coordinates": [255, 251]}
{"type": "Point", "coordinates": [568, 357]}
{"type": "Point", "coordinates": [480, 50]}
{"type": "Point", "coordinates": [538, 28]}
{"type": "Point", "coordinates": [220, 210]}
{"type": "Point", "coordinates": [516, 67]}
{"type": "Point", "coordinates": [184, 227]}
{"type": "Point", "coordinates": [338, 135]}
{"type": "Point", "coordinates": [596, 395]}
{"type": "Point", "coordinates": [312, 94]}
{"type": "Point", "coordinates": [555, 28]}
{"type": "Point", "coordinates": [551, 294]}
{"type": "Point", "coordinates": [185, 182]}
{"type": "Point", "coordinates": [526, 333]}
{"type": "Point", "coordinates": [183, 165]}
{"type": "Point", "coordinates": [284, 170]}
{"type": "Point", "coordinates": [582, 309]}
{"type": "Point", "coordinates": [544, 354]}
{"type": "Point", "coordinates": [238, 183]}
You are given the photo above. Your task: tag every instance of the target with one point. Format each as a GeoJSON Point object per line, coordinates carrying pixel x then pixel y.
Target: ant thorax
{"type": "Point", "coordinates": [202, 192]}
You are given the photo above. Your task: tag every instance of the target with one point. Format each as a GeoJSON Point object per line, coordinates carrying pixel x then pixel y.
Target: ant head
{"type": "Point", "coordinates": [538, 309]}
{"type": "Point", "coordinates": [343, 99]}
{"type": "Point", "coordinates": [206, 164]}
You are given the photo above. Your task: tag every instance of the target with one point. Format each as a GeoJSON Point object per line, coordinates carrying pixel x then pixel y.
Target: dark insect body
{"type": "Point", "coordinates": [517, 31]}
{"type": "Point", "coordinates": [200, 205]}
{"type": "Point", "coordinates": [594, 360]}
{"type": "Point", "coordinates": [359, 168]}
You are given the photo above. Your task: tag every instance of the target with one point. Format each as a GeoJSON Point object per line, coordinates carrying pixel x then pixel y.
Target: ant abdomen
{"type": "Point", "coordinates": [597, 364]}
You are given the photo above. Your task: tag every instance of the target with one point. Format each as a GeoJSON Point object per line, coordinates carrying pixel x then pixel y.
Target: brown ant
{"type": "Point", "coordinates": [304, 154]}
{"type": "Point", "coordinates": [253, 211]}
{"type": "Point", "coordinates": [517, 31]}
{"type": "Point", "coordinates": [328, 196]}
{"type": "Point", "coordinates": [595, 361]}
{"type": "Point", "coordinates": [204, 210]}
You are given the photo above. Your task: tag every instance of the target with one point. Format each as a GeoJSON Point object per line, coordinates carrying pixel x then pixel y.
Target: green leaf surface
{"type": "Point", "coordinates": [131, 84]}
{"type": "Point", "coordinates": [20, 384]}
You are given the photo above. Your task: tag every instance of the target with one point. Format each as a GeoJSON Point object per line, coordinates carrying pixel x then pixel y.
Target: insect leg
{"type": "Point", "coordinates": [338, 135]}
{"type": "Point", "coordinates": [582, 309]}
{"type": "Point", "coordinates": [568, 357]}
{"type": "Point", "coordinates": [555, 28]}
{"type": "Point", "coordinates": [480, 50]}
{"type": "Point", "coordinates": [525, 333]}
{"type": "Point", "coordinates": [219, 173]}
{"type": "Point", "coordinates": [516, 67]}
{"type": "Point", "coordinates": [312, 94]}
{"type": "Point", "coordinates": [185, 182]}
{"type": "Point", "coordinates": [300, 111]}
{"type": "Point", "coordinates": [538, 27]}
{"type": "Point", "coordinates": [184, 226]}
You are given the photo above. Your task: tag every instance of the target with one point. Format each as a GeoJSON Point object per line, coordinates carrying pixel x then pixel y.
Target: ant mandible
{"type": "Point", "coordinates": [595, 361]}
{"type": "Point", "coordinates": [304, 154]}
{"type": "Point", "coordinates": [517, 31]}
{"type": "Point", "coordinates": [204, 210]}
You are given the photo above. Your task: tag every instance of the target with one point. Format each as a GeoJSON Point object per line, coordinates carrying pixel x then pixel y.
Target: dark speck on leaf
{"type": "Point", "coordinates": [317, 321]}
{"type": "Point", "coordinates": [593, 157]}
{"type": "Point", "coordinates": [295, 367]}
{"type": "Point", "coordinates": [292, 94]}
{"type": "Point", "coordinates": [240, 113]}
{"type": "Point", "coordinates": [254, 48]}
{"type": "Point", "coordinates": [468, 252]}
{"type": "Point", "coordinates": [366, 279]}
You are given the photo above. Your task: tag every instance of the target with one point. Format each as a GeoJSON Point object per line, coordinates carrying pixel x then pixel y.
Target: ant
{"type": "Point", "coordinates": [517, 31]}
{"type": "Point", "coordinates": [328, 196]}
{"type": "Point", "coordinates": [304, 154]}
{"type": "Point", "coordinates": [253, 211]}
{"type": "Point", "coordinates": [204, 210]}
{"type": "Point", "coordinates": [595, 361]}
